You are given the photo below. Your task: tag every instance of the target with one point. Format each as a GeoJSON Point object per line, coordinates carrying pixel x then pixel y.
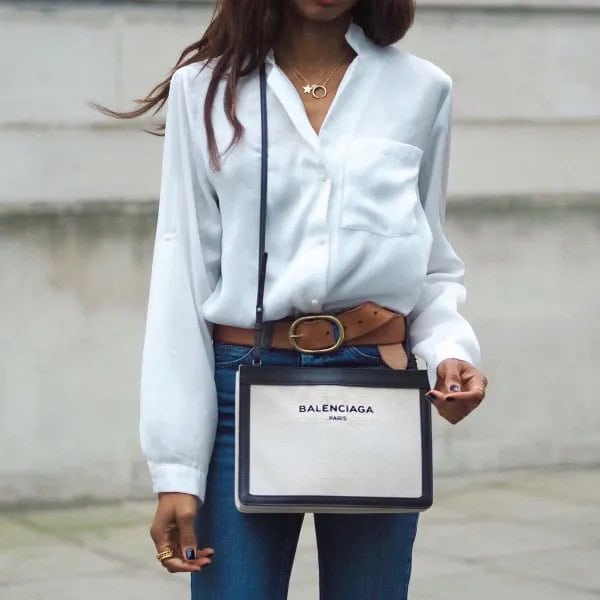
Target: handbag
{"type": "Point", "coordinates": [327, 439]}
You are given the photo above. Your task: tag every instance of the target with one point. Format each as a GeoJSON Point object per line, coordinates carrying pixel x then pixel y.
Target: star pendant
{"type": "Point", "coordinates": [308, 89]}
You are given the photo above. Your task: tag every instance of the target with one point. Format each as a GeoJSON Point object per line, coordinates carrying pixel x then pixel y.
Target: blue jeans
{"type": "Point", "coordinates": [361, 557]}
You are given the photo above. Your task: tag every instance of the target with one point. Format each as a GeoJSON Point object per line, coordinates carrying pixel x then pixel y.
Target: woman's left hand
{"type": "Point", "coordinates": [459, 389]}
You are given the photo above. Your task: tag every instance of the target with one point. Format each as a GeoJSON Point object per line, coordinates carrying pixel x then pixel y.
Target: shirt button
{"type": "Point", "coordinates": [323, 172]}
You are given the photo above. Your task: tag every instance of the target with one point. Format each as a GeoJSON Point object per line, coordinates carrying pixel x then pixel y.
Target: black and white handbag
{"type": "Point", "coordinates": [292, 456]}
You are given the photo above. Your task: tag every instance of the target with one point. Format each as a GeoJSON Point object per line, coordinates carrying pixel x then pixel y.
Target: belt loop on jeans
{"type": "Point", "coordinates": [267, 335]}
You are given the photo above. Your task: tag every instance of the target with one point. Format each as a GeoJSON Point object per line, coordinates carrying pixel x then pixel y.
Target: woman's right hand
{"type": "Point", "coordinates": [173, 526]}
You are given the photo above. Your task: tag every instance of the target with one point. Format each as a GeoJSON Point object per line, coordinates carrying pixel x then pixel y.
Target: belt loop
{"type": "Point", "coordinates": [263, 340]}
{"type": "Point", "coordinates": [267, 335]}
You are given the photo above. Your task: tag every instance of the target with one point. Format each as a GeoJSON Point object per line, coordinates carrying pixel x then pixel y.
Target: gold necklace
{"type": "Point", "coordinates": [317, 90]}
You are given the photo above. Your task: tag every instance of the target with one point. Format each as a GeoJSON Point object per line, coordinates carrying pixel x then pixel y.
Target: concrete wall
{"type": "Point", "coordinates": [77, 202]}
{"type": "Point", "coordinates": [527, 116]}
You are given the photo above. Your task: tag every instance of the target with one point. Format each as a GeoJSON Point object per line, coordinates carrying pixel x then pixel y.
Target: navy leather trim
{"type": "Point", "coordinates": [281, 375]}
{"type": "Point", "coordinates": [254, 374]}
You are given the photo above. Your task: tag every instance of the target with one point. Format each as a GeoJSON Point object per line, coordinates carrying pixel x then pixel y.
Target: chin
{"type": "Point", "coordinates": [323, 10]}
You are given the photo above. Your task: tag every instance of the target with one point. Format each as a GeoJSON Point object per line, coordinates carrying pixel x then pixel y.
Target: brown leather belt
{"type": "Point", "coordinates": [368, 323]}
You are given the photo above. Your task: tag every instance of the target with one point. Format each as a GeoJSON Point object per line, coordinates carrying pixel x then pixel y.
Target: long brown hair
{"type": "Point", "coordinates": [237, 45]}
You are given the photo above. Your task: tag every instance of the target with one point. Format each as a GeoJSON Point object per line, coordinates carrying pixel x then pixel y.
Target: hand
{"type": "Point", "coordinates": [173, 526]}
{"type": "Point", "coordinates": [459, 389]}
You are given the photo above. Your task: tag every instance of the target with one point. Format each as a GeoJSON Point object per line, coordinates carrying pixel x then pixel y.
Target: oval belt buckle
{"type": "Point", "coordinates": [293, 335]}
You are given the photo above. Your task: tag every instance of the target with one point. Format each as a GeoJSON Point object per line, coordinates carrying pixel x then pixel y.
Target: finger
{"type": "Point", "coordinates": [469, 398]}
{"type": "Point", "coordinates": [476, 383]}
{"type": "Point", "coordinates": [449, 377]}
{"type": "Point", "coordinates": [452, 411]}
{"type": "Point", "coordinates": [185, 518]}
{"type": "Point", "coordinates": [205, 553]}
{"type": "Point", "coordinates": [462, 404]}
{"type": "Point", "coordinates": [445, 409]}
{"type": "Point", "coordinates": [203, 557]}
{"type": "Point", "coordinates": [436, 397]}
{"type": "Point", "coordinates": [473, 377]}
{"type": "Point", "coordinates": [178, 565]}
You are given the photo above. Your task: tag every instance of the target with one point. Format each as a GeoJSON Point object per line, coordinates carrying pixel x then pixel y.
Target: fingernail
{"type": "Point", "coordinates": [430, 395]}
{"type": "Point", "coordinates": [190, 554]}
{"type": "Point", "coordinates": [454, 388]}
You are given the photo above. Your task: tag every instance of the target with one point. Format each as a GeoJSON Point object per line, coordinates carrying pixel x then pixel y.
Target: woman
{"type": "Point", "coordinates": [359, 135]}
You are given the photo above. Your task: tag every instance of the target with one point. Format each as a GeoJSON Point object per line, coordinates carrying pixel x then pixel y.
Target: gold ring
{"type": "Point", "coordinates": [165, 553]}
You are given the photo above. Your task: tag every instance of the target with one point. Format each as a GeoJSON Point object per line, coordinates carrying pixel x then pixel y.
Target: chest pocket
{"type": "Point", "coordinates": [380, 191]}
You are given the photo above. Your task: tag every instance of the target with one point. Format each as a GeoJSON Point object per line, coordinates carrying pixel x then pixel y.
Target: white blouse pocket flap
{"type": "Point", "coordinates": [380, 193]}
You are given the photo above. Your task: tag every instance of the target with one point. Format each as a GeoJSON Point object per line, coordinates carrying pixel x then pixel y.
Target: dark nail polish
{"type": "Point", "coordinates": [430, 396]}
{"type": "Point", "coordinates": [190, 554]}
{"type": "Point", "coordinates": [454, 388]}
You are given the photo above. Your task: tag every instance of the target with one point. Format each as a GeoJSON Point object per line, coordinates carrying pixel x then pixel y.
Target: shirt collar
{"type": "Point", "coordinates": [355, 37]}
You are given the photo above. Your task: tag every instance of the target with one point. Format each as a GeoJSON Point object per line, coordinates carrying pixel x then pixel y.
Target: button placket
{"type": "Point", "coordinates": [321, 235]}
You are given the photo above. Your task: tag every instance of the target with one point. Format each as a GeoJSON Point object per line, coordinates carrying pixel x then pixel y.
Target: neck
{"type": "Point", "coordinates": [312, 44]}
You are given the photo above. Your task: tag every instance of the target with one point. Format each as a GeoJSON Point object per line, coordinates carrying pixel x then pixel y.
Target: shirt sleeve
{"type": "Point", "coordinates": [437, 330]}
{"type": "Point", "coordinates": [178, 409]}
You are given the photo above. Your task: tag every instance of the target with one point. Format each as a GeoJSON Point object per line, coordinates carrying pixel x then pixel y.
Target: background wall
{"type": "Point", "coordinates": [527, 111]}
{"type": "Point", "coordinates": [77, 212]}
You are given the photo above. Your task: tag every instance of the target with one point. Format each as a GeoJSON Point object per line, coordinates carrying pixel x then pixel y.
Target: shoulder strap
{"type": "Point", "coordinates": [262, 254]}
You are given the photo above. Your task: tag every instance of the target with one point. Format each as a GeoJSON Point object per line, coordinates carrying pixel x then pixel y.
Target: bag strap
{"type": "Point", "coordinates": [262, 254]}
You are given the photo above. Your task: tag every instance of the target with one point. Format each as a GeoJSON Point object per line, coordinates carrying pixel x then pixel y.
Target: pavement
{"type": "Point", "coordinates": [519, 535]}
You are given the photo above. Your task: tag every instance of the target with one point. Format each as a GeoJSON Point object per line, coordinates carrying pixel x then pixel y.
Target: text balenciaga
{"type": "Point", "coordinates": [340, 408]}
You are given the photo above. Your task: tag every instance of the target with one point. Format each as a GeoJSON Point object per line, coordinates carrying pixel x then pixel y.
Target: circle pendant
{"type": "Point", "coordinates": [319, 92]}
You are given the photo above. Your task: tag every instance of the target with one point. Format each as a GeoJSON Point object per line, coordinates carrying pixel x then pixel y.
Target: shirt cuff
{"type": "Point", "coordinates": [177, 478]}
{"type": "Point", "coordinates": [444, 351]}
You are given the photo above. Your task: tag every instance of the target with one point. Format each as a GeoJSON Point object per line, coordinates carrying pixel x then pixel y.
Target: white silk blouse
{"type": "Point", "coordinates": [355, 213]}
